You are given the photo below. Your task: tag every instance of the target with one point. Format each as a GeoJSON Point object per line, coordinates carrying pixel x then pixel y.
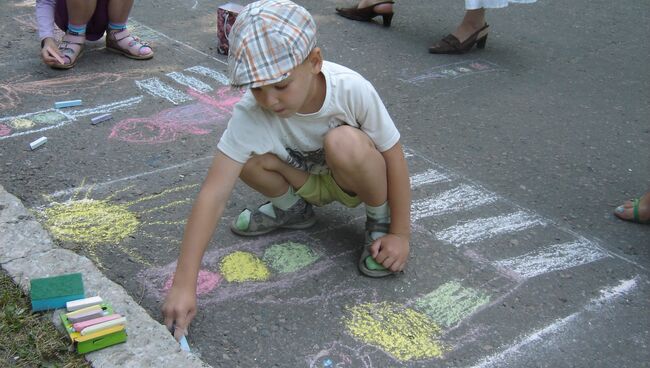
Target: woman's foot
{"type": "Point", "coordinates": [70, 50]}
{"type": "Point", "coordinates": [471, 31]}
{"type": "Point", "coordinates": [635, 210]}
{"type": "Point", "coordinates": [122, 42]}
{"type": "Point", "coordinates": [369, 9]}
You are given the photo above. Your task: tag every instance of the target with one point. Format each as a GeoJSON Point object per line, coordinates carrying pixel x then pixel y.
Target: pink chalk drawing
{"type": "Point", "coordinates": [207, 281]}
{"type": "Point", "coordinates": [170, 124]}
{"type": "Point", "coordinates": [153, 278]}
{"type": "Point", "coordinates": [4, 130]}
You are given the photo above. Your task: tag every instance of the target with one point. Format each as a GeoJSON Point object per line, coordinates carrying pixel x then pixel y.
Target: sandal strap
{"type": "Point", "coordinates": [635, 208]}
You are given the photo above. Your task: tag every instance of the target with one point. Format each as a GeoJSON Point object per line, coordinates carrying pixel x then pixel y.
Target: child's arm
{"type": "Point", "coordinates": [392, 250]}
{"type": "Point", "coordinates": [180, 305]}
{"type": "Point", "coordinates": [45, 22]}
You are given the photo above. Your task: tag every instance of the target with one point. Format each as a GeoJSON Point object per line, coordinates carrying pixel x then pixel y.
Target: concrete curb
{"type": "Point", "coordinates": [27, 251]}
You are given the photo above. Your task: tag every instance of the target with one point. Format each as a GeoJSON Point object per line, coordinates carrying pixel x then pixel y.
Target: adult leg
{"type": "Point", "coordinates": [366, 10]}
{"type": "Point", "coordinates": [471, 31]}
{"type": "Point", "coordinates": [119, 39]}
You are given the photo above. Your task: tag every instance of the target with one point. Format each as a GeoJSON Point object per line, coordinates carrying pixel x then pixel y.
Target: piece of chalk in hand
{"type": "Point", "coordinates": [184, 345]}
{"type": "Point", "coordinates": [37, 143]}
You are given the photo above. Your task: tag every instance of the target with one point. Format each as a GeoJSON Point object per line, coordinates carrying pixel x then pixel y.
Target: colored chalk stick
{"type": "Point", "coordinates": [84, 310]}
{"type": "Point", "coordinates": [54, 292]}
{"type": "Point", "coordinates": [184, 345]}
{"type": "Point", "coordinates": [98, 119]}
{"type": "Point", "coordinates": [74, 305]}
{"type": "Point", "coordinates": [102, 326]}
{"type": "Point", "coordinates": [37, 143]}
{"type": "Point", "coordinates": [86, 316]}
{"type": "Point", "coordinates": [81, 325]}
{"type": "Point", "coordinates": [71, 103]}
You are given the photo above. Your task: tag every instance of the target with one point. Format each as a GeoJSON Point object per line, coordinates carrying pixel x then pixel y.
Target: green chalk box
{"type": "Point", "coordinates": [53, 292]}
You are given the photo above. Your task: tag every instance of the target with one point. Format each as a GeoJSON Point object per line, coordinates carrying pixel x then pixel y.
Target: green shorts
{"type": "Point", "coordinates": [320, 190]}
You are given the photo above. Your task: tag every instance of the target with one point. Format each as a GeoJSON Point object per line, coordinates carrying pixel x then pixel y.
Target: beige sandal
{"type": "Point", "coordinates": [71, 48]}
{"type": "Point", "coordinates": [122, 42]}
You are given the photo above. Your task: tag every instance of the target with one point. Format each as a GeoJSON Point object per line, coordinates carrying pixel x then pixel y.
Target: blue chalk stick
{"type": "Point", "coordinates": [184, 345]}
{"type": "Point", "coordinates": [62, 104]}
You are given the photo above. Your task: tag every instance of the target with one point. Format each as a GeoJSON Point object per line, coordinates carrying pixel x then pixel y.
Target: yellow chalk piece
{"type": "Point", "coordinates": [401, 332]}
{"type": "Point", "coordinates": [243, 266]}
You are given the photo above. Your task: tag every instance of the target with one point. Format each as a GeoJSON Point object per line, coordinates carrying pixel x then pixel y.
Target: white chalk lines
{"type": "Point", "coordinates": [157, 88]}
{"type": "Point", "coordinates": [507, 357]}
{"type": "Point", "coordinates": [466, 199]}
{"type": "Point", "coordinates": [47, 119]}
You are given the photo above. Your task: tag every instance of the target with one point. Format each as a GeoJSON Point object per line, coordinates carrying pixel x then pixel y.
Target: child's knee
{"type": "Point", "coordinates": [347, 145]}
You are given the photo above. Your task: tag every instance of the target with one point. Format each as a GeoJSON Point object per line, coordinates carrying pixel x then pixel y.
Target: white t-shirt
{"type": "Point", "coordinates": [298, 140]}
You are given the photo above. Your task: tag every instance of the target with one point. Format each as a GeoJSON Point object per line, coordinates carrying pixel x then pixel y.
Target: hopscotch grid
{"type": "Point", "coordinates": [548, 221]}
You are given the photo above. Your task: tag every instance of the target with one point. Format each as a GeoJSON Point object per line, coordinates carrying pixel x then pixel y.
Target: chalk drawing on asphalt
{"type": "Point", "coordinates": [452, 71]}
{"type": "Point", "coordinates": [92, 223]}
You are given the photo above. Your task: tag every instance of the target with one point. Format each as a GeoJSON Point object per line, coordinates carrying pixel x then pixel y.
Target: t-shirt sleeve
{"type": "Point", "coordinates": [245, 135]}
{"type": "Point", "coordinates": [372, 116]}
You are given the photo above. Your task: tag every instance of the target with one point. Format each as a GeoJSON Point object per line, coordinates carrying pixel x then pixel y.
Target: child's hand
{"type": "Point", "coordinates": [50, 52]}
{"type": "Point", "coordinates": [392, 251]}
{"type": "Point", "coordinates": [178, 310]}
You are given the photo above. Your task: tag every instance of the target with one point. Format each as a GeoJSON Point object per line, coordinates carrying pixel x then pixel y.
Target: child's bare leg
{"type": "Point", "coordinates": [357, 166]}
{"type": "Point", "coordinates": [80, 11]}
{"type": "Point", "coordinates": [271, 176]}
{"type": "Point", "coordinates": [118, 38]}
{"type": "Point", "coordinates": [276, 180]}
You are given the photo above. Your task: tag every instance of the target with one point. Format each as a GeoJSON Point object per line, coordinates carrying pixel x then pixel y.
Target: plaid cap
{"type": "Point", "coordinates": [269, 39]}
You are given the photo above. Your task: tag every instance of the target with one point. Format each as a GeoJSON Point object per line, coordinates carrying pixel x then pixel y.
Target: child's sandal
{"type": "Point", "coordinates": [367, 265]}
{"type": "Point", "coordinates": [71, 48]}
{"type": "Point", "coordinates": [122, 42]}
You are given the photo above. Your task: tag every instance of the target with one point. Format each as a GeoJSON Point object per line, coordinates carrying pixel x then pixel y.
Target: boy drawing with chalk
{"type": "Point", "coordinates": [308, 132]}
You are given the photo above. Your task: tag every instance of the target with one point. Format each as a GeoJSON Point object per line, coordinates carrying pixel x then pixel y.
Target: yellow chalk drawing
{"type": "Point", "coordinates": [94, 222]}
{"type": "Point", "coordinates": [22, 124]}
{"type": "Point", "coordinates": [400, 331]}
{"type": "Point", "coordinates": [243, 266]}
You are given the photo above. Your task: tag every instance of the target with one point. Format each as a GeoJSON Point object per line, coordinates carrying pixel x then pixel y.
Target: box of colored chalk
{"type": "Point", "coordinates": [106, 329]}
{"type": "Point", "coordinates": [53, 292]}
{"type": "Point", "coordinates": [63, 104]}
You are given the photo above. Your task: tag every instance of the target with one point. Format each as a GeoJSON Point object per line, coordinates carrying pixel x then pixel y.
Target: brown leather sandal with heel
{"type": "Point", "coordinates": [452, 45]}
{"type": "Point", "coordinates": [366, 14]}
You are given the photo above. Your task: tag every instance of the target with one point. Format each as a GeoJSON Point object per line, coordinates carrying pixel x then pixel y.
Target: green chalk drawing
{"type": "Point", "coordinates": [450, 303]}
{"type": "Point", "coordinates": [48, 118]}
{"type": "Point", "coordinates": [289, 257]}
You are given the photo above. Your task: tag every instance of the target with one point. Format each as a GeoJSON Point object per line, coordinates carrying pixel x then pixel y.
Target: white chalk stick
{"type": "Point", "coordinates": [74, 305]}
{"type": "Point", "coordinates": [98, 119]}
{"type": "Point", "coordinates": [103, 326]}
{"type": "Point", "coordinates": [37, 143]}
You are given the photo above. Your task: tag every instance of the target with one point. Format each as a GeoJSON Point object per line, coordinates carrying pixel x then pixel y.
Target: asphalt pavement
{"type": "Point", "coordinates": [518, 155]}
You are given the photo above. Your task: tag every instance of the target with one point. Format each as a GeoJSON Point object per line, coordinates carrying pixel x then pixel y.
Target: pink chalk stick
{"type": "Point", "coordinates": [81, 325]}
